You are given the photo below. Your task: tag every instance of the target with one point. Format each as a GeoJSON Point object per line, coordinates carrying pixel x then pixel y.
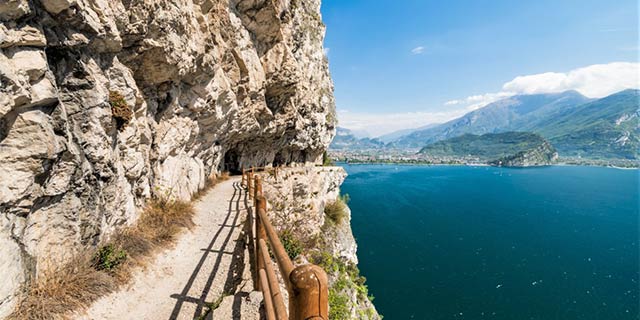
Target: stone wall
{"type": "Point", "coordinates": [105, 103]}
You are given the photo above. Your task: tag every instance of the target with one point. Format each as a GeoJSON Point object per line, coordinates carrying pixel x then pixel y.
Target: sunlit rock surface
{"type": "Point", "coordinates": [212, 85]}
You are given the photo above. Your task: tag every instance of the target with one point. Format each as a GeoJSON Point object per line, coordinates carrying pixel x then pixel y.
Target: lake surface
{"type": "Point", "coordinates": [453, 242]}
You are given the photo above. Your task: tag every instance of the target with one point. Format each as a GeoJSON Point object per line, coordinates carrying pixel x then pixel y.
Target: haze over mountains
{"type": "Point", "coordinates": [574, 124]}
{"type": "Point", "coordinates": [393, 136]}
{"type": "Point", "coordinates": [345, 139]}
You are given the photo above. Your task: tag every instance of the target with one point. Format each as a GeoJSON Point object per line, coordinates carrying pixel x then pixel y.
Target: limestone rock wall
{"type": "Point", "coordinates": [297, 198]}
{"type": "Point", "coordinates": [206, 85]}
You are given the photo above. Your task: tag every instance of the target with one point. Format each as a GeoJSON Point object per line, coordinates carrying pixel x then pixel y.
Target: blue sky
{"type": "Point", "coordinates": [419, 61]}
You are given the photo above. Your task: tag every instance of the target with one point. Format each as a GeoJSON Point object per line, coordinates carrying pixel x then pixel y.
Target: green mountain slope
{"type": "Point", "coordinates": [489, 146]}
{"type": "Point", "coordinates": [605, 128]}
{"type": "Point", "coordinates": [509, 114]}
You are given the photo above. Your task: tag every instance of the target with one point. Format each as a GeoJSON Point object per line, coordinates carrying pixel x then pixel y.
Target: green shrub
{"type": "Point", "coordinates": [325, 261]}
{"type": "Point", "coordinates": [336, 211]}
{"type": "Point", "coordinates": [339, 305]}
{"type": "Point", "coordinates": [326, 160]}
{"type": "Point", "coordinates": [291, 244]}
{"type": "Point", "coordinates": [347, 279]}
{"type": "Point", "coordinates": [108, 258]}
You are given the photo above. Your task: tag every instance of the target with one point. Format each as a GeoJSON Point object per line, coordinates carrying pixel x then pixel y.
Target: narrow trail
{"type": "Point", "coordinates": [208, 262]}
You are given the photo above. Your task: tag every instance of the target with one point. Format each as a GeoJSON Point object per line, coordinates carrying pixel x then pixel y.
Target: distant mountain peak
{"type": "Point", "coordinates": [575, 124]}
{"type": "Point", "coordinates": [345, 139]}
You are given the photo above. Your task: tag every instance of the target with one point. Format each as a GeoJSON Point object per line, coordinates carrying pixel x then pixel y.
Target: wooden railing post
{"type": "Point", "coordinates": [250, 183]}
{"type": "Point", "coordinates": [310, 293]}
{"type": "Point", "coordinates": [261, 204]}
{"type": "Point", "coordinates": [244, 178]}
{"type": "Point", "coordinates": [257, 192]}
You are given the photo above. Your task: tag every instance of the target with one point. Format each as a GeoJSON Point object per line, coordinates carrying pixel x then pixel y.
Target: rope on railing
{"type": "Point", "coordinates": [307, 284]}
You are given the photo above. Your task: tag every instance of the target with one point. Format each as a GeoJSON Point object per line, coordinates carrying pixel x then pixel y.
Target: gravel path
{"type": "Point", "coordinates": [206, 263]}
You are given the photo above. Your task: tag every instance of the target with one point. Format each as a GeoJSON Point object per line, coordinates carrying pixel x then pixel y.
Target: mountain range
{"type": "Point", "coordinates": [509, 114]}
{"type": "Point", "coordinates": [574, 124]}
{"type": "Point", "coordinates": [345, 139]}
{"type": "Point", "coordinates": [395, 135]}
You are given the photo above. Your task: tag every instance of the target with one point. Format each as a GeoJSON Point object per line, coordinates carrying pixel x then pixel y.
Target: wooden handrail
{"type": "Point", "coordinates": [284, 262]}
{"type": "Point", "coordinates": [307, 284]}
{"type": "Point", "coordinates": [268, 303]}
{"type": "Point", "coordinates": [272, 280]}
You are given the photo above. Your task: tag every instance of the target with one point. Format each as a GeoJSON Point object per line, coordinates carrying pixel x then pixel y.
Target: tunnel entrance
{"type": "Point", "coordinates": [279, 159]}
{"type": "Point", "coordinates": [231, 162]}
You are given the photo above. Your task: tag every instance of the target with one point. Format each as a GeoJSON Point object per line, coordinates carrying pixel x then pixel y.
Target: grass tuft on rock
{"type": "Point", "coordinates": [163, 219]}
{"type": "Point", "coordinates": [336, 211]}
{"type": "Point", "coordinates": [72, 286]}
{"type": "Point", "coordinates": [120, 109]}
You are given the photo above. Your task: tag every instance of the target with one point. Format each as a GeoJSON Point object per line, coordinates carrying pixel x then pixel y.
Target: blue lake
{"type": "Point", "coordinates": [453, 242]}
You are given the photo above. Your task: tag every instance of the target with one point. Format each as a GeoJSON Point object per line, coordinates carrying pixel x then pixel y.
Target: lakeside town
{"type": "Point", "coordinates": [393, 156]}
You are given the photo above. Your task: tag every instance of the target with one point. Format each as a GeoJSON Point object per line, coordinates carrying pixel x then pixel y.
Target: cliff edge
{"type": "Point", "coordinates": [314, 223]}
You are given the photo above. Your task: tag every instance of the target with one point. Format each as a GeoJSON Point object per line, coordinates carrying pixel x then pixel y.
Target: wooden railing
{"type": "Point", "coordinates": [307, 284]}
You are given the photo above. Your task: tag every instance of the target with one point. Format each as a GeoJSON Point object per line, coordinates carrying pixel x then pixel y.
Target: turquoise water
{"type": "Point", "coordinates": [495, 243]}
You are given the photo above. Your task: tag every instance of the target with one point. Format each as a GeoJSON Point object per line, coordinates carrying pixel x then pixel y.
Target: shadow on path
{"type": "Point", "coordinates": [236, 254]}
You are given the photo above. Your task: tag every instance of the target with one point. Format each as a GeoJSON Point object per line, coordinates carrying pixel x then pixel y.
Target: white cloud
{"type": "Point", "coordinates": [480, 100]}
{"type": "Point", "coordinates": [417, 50]}
{"type": "Point", "coordinates": [594, 81]}
{"type": "Point", "coordinates": [326, 51]}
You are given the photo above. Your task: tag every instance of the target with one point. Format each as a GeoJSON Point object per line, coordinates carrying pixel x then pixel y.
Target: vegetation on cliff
{"type": "Point", "coordinates": [346, 280]}
{"type": "Point", "coordinates": [336, 211]}
{"type": "Point", "coordinates": [493, 148]}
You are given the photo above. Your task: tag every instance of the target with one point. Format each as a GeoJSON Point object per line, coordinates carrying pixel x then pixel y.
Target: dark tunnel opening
{"type": "Point", "coordinates": [231, 162]}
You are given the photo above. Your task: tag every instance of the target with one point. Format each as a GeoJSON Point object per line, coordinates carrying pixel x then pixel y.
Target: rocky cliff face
{"type": "Point", "coordinates": [297, 198]}
{"type": "Point", "coordinates": [104, 103]}
{"type": "Point", "coordinates": [542, 155]}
